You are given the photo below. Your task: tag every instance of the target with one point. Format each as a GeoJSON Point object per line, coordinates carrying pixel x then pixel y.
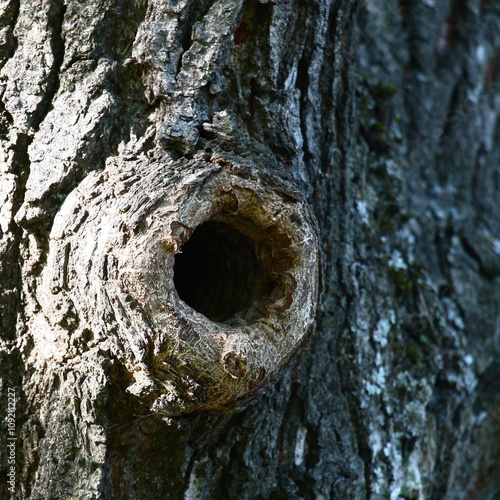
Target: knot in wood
{"type": "Point", "coordinates": [208, 279]}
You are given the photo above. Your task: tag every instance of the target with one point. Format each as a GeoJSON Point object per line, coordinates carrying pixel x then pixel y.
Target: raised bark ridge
{"type": "Point", "coordinates": [112, 254]}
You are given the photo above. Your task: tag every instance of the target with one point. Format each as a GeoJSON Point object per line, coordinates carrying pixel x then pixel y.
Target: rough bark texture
{"type": "Point", "coordinates": [125, 125]}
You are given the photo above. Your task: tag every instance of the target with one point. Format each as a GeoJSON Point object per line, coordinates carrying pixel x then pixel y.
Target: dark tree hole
{"type": "Point", "coordinates": [223, 273]}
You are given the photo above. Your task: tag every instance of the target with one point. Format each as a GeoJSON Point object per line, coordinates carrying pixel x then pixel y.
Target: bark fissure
{"type": "Point", "coordinates": [55, 21]}
{"type": "Point", "coordinates": [8, 18]}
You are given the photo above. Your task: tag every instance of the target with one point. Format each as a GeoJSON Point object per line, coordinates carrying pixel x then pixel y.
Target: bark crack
{"type": "Point", "coordinates": [56, 18]}
{"type": "Point", "coordinates": [9, 18]}
{"type": "Point", "coordinates": [471, 251]}
{"type": "Point", "coordinates": [189, 17]}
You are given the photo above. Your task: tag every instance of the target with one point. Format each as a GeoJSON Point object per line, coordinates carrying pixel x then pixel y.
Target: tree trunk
{"type": "Point", "coordinates": [185, 185]}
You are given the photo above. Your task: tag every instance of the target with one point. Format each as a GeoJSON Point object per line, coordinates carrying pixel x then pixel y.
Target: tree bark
{"type": "Point", "coordinates": [178, 182]}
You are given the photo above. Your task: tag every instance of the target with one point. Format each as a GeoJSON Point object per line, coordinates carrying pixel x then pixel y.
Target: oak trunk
{"type": "Point", "coordinates": [181, 180]}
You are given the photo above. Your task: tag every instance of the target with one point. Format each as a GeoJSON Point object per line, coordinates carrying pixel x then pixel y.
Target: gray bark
{"type": "Point", "coordinates": [362, 137]}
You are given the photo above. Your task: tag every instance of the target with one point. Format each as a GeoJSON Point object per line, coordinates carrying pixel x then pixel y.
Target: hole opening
{"type": "Point", "coordinates": [227, 271]}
